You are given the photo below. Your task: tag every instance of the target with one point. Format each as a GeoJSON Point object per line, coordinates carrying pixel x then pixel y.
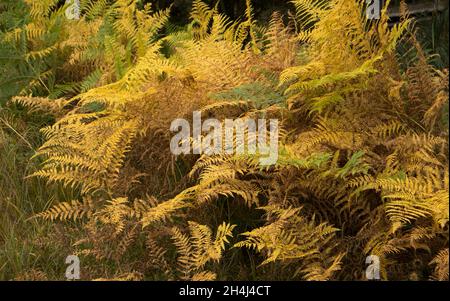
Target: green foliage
{"type": "Point", "coordinates": [363, 160]}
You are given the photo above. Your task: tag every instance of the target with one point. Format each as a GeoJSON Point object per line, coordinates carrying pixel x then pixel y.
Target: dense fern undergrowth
{"type": "Point", "coordinates": [86, 168]}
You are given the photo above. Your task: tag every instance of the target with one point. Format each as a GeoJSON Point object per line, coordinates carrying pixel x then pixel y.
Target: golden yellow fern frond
{"type": "Point", "coordinates": [196, 250]}
{"type": "Point", "coordinates": [441, 268]}
{"type": "Point", "coordinates": [289, 237]}
{"type": "Point", "coordinates": [204, 276]}
{"type": "Point", "coordinates": [41, 104]}
{"type": "Point", "coordinates": [114, 213]}
{"type": "Point", "coordinates": [76, 156]}
{"type": "Point", "coordinates": [162, 211]}
{"type": "Point", "coordinates": [66, 211]}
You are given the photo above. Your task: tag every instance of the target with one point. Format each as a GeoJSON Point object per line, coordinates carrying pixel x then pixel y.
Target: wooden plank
{"type": "Point", "coordinates": [420, 8]}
